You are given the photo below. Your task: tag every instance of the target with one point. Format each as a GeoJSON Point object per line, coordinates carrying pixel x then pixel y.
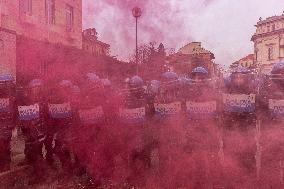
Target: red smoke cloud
{"type": "Point", "coordinates": [161, 21]}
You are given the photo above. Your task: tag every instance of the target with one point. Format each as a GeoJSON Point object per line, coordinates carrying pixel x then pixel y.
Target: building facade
{"type": "Point", "coordinates": [247, 62]}
{"type": "Point", "coordinates": [92, 45]}
{"type": "Point", "coordinates": [269, 42]}
{"type": "Point", "coordinates": [191, 56]}
{"type": "Point", "coordinates": [46, 21]}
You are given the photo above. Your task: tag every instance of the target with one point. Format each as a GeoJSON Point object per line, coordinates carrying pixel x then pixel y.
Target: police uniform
{"type": "Point", "coordinates": [92, 122]}
{"type": "Point", "coordinates": [239, 107]}
{"type": "Point", "coordinates": [168, 130]}
{"type": "Point", "coordinates": [132, 121]}
{"type": "Point", "coordinates": [7, 116]}
{"type": "Point", "coordinates": [239, 100]}
{"type": "Point", "coordinates": [271, 124]}
{"type": "Point", "coordinates": [201, 100]}
{"type": "Point", "coordinates": [60, 122]}
{"type": "Point", "coordinates": [31, 119]}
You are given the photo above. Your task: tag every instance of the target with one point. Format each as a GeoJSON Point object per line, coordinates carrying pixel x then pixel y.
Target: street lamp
{"type": "Point", "coordinates": [136, 12]}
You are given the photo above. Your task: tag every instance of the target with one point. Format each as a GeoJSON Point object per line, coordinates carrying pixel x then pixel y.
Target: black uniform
{"type": "Point", "coordinates": [133, 124]}
{"type": "Point", "coordinates": [7, 117]}
{"type": "Point", "coordinates": [203, 136]}
{"type": "Point", "coordinates": [239, 101]}
{"type": "Point", "coordinates": [59, 128]}
{"type": "Point", "coordinates": [271, 128]}
{"type": "Point", "coordinates": [239, 107]}
{"type": "Point", "coordinates": [31, 120]}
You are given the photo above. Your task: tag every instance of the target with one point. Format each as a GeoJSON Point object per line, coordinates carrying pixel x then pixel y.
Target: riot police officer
{"type": "Point", "coordinates": [110, 105]}
{"type": "Point", "coordinates": [91, 118]}
{"type": "Point", "coordinates": [202, 133]}
{"type": "Point", "coordinates": [132, 117]}
{"type": "Point", "coordinates": [31, 118]}
{"type": "Point", "coordinates": [239, 99]}
{"type": "Point", "coordinates": [201, 97]}
{"type": "Point", "coordinates": [7, 117]}
{"type": "Point", "coordinates": [271, 120]}
{"type": "Point", "coordinates": [60, 122]}
{"type": "Point", "coordinates": [239, 118]}
{"type": "Point", "coordinates": [168, 127]}
{"type": "Point", "coordinates": [271, 95]}
{"type": "Point", "coordinates": [152, 91]}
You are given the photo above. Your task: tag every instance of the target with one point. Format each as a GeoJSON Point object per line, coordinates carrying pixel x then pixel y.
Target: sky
{"type": "Point", "coordinates": [224, 27]}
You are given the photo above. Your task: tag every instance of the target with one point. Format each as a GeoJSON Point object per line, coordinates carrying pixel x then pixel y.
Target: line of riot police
{"type": "Point", "coordinates": [142, 127]}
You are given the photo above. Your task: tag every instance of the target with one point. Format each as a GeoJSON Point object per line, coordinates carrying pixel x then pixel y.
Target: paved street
{"type": "Point", "coordinates": [19, 176]}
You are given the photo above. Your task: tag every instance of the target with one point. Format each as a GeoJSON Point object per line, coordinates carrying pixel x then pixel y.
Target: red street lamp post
{"type": "Point", "coordinates": [136, 12]}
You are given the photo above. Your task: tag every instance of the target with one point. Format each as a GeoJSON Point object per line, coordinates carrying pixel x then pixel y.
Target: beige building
{"type": "Point", "coordinates": [248, 62]}
{"type": "Point", "coordinates": [191, 56]}
{"type": "Point", "coordinates": [52, 21]}
{"type": "Point", "coordinates": [92, 45]}
{"type": "Point", "coordinates": [269, 42]}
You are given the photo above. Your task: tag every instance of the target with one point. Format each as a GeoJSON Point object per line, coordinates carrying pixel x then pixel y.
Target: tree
{"type": "Point", "coordinates": [151, 60]}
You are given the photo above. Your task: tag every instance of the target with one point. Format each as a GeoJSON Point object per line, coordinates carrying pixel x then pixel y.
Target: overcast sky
{"type": "Point", "coordinates": [224, 27]}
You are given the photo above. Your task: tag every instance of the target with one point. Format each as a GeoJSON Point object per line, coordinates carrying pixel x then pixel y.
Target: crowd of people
{"type": "Point", "coordinates": [172, 133]}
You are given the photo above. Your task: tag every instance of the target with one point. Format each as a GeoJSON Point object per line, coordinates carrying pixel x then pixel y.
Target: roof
{"type": "Point", "coordinates": [247, 58]}
{"type": "Point", "coordinates": [271, 19]}
{"type": "Point", "coordinates": [193, 48]}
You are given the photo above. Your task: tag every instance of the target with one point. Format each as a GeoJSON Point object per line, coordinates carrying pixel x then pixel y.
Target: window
{"type": "Point", "coordinates": [256, 55]}
{"type": "Point", "coordinates": [270, 53]}
{"type": "Point", "coordinates": [1, 46]}
{"type": "Point", "coordinates": [268, 28]}
{"type": "Point", "coordinates": [273, 27]}
{"type": "Point", "coordinates": [26, 6]}
{"type": "Point", "coordinates": [69, 18]}
{"type": "Point", "coordinates": [50, 11]}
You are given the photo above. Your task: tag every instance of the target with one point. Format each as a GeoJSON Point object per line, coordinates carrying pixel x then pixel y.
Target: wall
{"type": "Point", "coordinates": [34, 26]}
{"type": "Point", "coordinates": [7, 52]}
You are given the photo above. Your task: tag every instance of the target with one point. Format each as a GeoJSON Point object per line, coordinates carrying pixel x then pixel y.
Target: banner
{"type": "Point", "coordinates": [276, 107]}
{"type": "Point", "coordinates": [131, 114]}
{"type": "Point", "coordinates": [60, 111]}
{"type": "Point", "coordinates": [27, 113]}
{"type": "Point", "coordinates": [240, 103]}
{"type": "Point", "coordinates": [201, 108]}
{"type": "Point", "coordinates": [4, 104]}
{"type": "Point", "coordinates": [168, 109]}
{"type": "Point", "coordinates": [91, 116]}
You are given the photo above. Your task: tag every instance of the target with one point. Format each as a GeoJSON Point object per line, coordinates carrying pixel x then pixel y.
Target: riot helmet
{"type": "Point", "coordinates": [153, 87]}
{"type": "Point", "coordinates": [240, 76]}
{"type": "Point", "coordinates": [65, 89]}
{"type": "Point", "coordinates": [169, 77]}
{"type": "Point", "coordinates": [136, 82]}
{"type": "Point", "coordinates": [277, 74]}
{"type": "Point", "coordinates": [106, 83]}
{"type": "Point", "coordinates": [93, 82]}
{"type": "Point", "coordinates": [199, 74]}
{"type": "Point", "coordinates": [92, 77]}
{"type": "Point", "coordinates": [136, 86]}
{"type": "Point", "coordinates": [277, 71]}
{"type": "Point", "coordinates": [6, 85]}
